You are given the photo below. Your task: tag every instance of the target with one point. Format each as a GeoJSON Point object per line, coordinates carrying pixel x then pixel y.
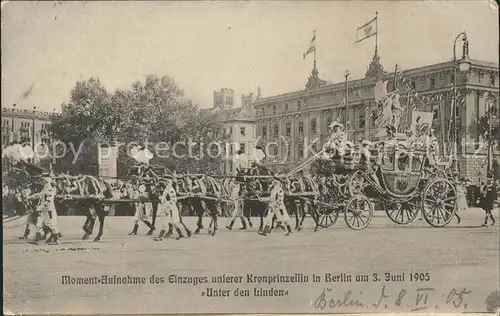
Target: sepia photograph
{"type": "Point", "coordinates": [229, 157]}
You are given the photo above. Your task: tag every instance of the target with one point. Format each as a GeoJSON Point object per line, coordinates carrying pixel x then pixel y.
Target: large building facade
{"type": "Point", "coordinates": [238, 123]}
{"type": "Point", "coordinates": [25, 126]}
{"type": "Point", "coordinates": [294, 125]}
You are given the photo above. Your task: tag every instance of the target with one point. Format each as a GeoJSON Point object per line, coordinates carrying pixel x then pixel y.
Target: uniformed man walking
{"type": "Point", "coordinates": [47, 209]}
{"type": "Point", "coordinates": [276, 208]}
{"type": "Point", "coordinates": [168, 208]}
{"type": "Point", "coordinates": [237, 205]}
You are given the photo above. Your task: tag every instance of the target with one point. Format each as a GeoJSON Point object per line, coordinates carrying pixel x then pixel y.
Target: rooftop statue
{"type": "Point", "coordinates": [390, 109]}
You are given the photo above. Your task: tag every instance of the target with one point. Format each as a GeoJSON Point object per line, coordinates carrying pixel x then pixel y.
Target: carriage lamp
{"type": "Point", "coordinates": [463, 65]}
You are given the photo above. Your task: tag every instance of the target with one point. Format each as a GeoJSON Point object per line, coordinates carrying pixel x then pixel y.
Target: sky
{"type": "Point", "coordinates": [206, 46]}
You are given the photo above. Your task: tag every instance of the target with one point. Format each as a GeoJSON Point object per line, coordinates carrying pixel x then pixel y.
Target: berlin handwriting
{"type": "Point", "coordinates": [412, 300]}
{"type": "Point", "coordinates": [323, 301]}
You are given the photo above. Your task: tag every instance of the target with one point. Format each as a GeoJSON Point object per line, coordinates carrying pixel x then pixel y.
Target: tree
{"type": "Point", "coordinates": [84, 121]}
{"type": "Point", "coordinates": [153, 112]}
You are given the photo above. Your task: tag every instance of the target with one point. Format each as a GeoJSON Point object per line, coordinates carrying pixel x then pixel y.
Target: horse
{"type": "Point", "coordinates": [90, 190]}
{"type": "Point", "coordinates": [300, 193]}
{"type": "Point", "coordinates": [253, 189]}
{"type": "Point", "coordinates": [202, 194]}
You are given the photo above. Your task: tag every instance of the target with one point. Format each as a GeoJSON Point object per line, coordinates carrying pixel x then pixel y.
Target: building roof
{"type": "Point", "coordinates": [26, 114]}
{"type": "Point", "coordinates": [340, 85]}
{"type": "Point", "coordinates": [243, 113]}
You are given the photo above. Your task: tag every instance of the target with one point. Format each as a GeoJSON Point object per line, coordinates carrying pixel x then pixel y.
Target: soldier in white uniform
{"type": "Point", "coordinates": [47, 209]}
{"type": "Point", "coordinates": [142, 210]}
{"type": "Point", "coordinates": [169, 210]}
{"type": "Point", "coordinates": [234, 188]}
{"type": "Point", "coordinates": [32, 214]}
{"type": "Point", "coordinates": [276, 208]}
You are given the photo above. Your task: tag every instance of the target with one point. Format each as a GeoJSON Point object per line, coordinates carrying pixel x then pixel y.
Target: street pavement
{"type": "Point", "coordinates": [453, 269]}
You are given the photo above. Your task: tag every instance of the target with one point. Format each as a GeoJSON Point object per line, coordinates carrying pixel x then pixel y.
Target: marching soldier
{"type": "Point", "coordinates": [31, 213]}
{"type": "Point", "coordinates": [276, 208]}
{"type": "Point", "coordinates": [142, 211]}
{"type": "Point", "coordinates": [237, 210]}
{"type": "Point", "coordinates": [168, 207]}
{"type": "Point", "coordinates": [47, 209]}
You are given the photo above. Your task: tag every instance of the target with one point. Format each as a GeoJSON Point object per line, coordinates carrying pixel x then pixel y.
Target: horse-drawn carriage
{"type": "Point", "coordinates": [397, 178]}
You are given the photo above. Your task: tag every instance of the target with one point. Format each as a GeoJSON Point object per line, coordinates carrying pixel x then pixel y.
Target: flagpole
{"type": "Point", "coordinates": [376, 32]}
{"type": "Point", "coordinates": [314, 49]}
{"type": "Point", "coordinates": [346, 101]}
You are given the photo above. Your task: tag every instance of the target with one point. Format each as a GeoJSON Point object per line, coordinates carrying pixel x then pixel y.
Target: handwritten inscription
{"type": "Point", "coordinates": [413, 300]}
{"type": "Point", "coordinates": [323, 301]}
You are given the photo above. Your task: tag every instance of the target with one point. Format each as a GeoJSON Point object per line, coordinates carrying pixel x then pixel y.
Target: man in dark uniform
{"type": "Point", "coordinates": [488, 198]}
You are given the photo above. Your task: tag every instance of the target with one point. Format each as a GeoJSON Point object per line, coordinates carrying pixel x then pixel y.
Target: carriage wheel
{"type": "Point", "coordinates": [439, 202]}
{"type": "Point", "coordinates": [326, 217]}
{"type": "Point", "coordinates": [358, 212]}
{"type": "Point", "coordinates": [402, 213]}
{"type": "Point", "coordinates": [357, 183]}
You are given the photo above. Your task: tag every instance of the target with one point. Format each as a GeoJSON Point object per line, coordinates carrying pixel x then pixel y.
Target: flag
{"type": "Point", "coordinates": [367, 30]}
{"type": "Point", "coordinates": [312, 46]}
{"type": "Point", "coordinates": [28, 92]}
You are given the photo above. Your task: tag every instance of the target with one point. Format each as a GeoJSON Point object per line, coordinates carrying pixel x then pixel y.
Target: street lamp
{"type": "Point", "coordinates": [463, 65]}
{"type": "Point", "coordinates": [492, 120]}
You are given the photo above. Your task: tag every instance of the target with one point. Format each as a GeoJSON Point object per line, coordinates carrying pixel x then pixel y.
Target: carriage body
{"type": "Point", "coordinates": [405, 182]}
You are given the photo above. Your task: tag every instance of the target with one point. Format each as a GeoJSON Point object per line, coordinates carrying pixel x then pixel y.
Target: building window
{"type": "Point", "coordinates": [492, 79]}
{"type": "Point", "coordinates": [230, 166]}
{"type": "Point", "coordinates": [243, 148]}
{"type": "Point", "coordinates": [301, 128]}
{"type": "Point", "coordinates": [230, 130]}
{"type": "Point", "coordinates": [264, 131]}
{"type": "Point", "coordinates": [299, 105]}
{"type": "Point", "coordinates": [274, 109]}
{"type": "Point", "coordinates": [242, 131]}
{"type": "Point", "coordinates": [262, 111]}
{"type": "Point", "coordinates": [229, 100]}
{"type": "Point", "coordinates": [441, 76]}
{"type": "Point", "coordinates": [433, 83]}
{"type": "Point", "coordinates": [373, 119]}
{"type": "Point", "coordinates": [313, 126]}
{"type": "Point", "coordinates": [231, 149]}
{"type": "Point", "coordinates": [300, 151]}
{"type": "Point", "coordinates": [286, 107]}
{"type": "Point", "coordinates": [361, 117]}
{"type": "Point", "coordinates": [276, 130]}
{"type": "Point", "coordinates": [25, 139]}
{"type": "Point", "coordinates": [275, 150]}
{"type": "Point", "coordinates": [329, 121]}
{"type": "Point", "coordinates": [481, 77]}
{"type": "Point", "coordinates": [288, 129]}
